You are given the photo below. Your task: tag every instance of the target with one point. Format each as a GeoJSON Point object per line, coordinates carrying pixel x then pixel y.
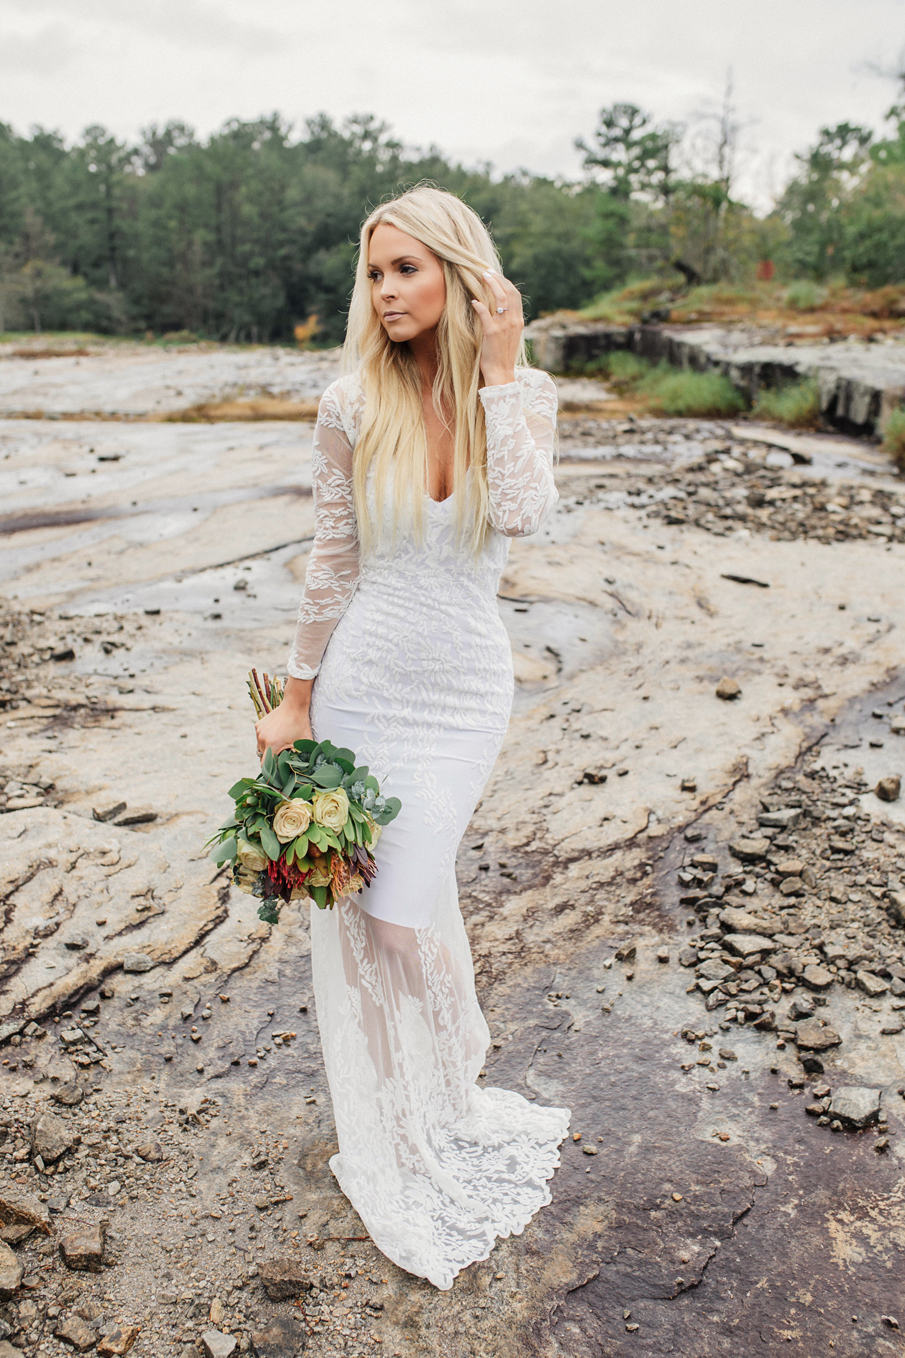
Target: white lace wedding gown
{"type": "Point", "coordinates": [414, 673]}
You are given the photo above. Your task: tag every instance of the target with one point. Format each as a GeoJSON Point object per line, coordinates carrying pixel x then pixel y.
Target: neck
{"type": "Point", "coordinates": [424, 349]}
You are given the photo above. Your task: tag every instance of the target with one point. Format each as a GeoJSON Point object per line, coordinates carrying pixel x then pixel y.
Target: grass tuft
{"type": "Point", "coordinates": [894, 437]}
{"type": "Point", "coordinates": [797, 405]}
{"type": "Point", "coordinates": [680, 392]}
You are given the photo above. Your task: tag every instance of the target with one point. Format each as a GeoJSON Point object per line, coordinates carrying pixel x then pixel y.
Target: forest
{"type": "Point", "coordinates": [250, 235]}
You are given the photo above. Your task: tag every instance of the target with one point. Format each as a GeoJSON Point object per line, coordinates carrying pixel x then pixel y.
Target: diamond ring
{"type": "Point", "coordinates": [501, 309]}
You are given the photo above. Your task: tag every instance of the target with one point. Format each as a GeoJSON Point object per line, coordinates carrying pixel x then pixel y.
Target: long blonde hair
{"type": "Point", "coordinates": [392, 435]}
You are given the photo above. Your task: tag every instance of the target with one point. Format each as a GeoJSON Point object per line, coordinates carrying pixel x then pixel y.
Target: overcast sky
{"type": "Point", "coordinates": [510, 81]}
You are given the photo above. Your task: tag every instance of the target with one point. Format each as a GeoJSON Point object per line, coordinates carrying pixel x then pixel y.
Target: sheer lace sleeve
{"type": "Point", "coordinates": [333, 565]}
{"type": "Point", "coordinates": [521, 433]}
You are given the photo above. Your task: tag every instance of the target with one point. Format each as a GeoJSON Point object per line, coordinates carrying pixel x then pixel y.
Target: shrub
{"type": "Point", "coordinates": [797, 405]}
{"type": "Point", "coordinates": [894, 437]}
{"type": "Point", "coordinates": [624, 370]}
{"type": "Point", "coordinates": [805, 296]}
{"type": "Point", "coordinates": [671, 391]}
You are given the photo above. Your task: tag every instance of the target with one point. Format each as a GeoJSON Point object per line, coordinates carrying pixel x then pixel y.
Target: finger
{"type": "Point", "coordinates": [495, 282]}
{"type": "Point", "coordinates": [487, 319]}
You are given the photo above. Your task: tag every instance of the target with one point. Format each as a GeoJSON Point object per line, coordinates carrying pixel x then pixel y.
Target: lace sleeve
{"type": "Point", "coordinates": [333, 565]}
{"type": "Point", "coordinates": [521, 433]}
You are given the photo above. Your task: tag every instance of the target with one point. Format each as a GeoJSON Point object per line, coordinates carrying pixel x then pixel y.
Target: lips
{"type": "Point", "coordinates": [393, 315]}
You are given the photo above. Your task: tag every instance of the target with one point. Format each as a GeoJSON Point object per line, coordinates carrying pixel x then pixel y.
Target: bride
{"type": "Point", "coordinates": [429, 455]}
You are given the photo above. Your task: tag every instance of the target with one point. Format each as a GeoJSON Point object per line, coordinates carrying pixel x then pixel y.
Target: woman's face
{"type": "Point", "coordinates": [408, 290]}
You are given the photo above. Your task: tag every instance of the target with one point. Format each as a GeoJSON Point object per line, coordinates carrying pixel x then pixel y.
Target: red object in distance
{"type": "Point", "coordinates": [765, 271]}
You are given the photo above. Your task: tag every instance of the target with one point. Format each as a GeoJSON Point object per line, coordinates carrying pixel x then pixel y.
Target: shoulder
{"type": "Point", "coordinates": [341, 404]}
{"type": "Point", "coordinates": [539, 390]}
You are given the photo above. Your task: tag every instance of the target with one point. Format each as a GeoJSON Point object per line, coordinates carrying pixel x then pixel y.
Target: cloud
{"type": "Point", "coordinates": [177, 22]}
{"type": "Point", "coordinates": [39, 54]}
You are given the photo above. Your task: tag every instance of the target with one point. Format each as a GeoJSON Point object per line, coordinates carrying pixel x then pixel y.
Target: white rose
{"type": "Point", "coordinates": [292, 819]}
{"type": "Point", "coordinates": [251, 856]}
{"type": "Point", "coordinates": [245, 881]}
{"type": "Point", "coordinates": [331, 809]}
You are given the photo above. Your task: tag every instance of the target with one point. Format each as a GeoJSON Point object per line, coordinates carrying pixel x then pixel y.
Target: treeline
{"type": "Point", "coordinates": [249, 234]}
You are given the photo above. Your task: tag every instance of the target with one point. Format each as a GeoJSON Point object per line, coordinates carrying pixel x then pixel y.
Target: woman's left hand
{"type": "Point", "coordinates": [502, 330]}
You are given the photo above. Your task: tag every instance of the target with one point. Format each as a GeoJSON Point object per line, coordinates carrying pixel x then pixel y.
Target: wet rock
{"type": "Point", "coordinates": [745, 945]}
{"type": "Point", "coordinates": [11, 1271]}
{"type": "Point", "coordinates": [282, 1338]}
{"type": "Point", "coordinates": [855, 1105]}
{"type": "Point", "coordinates": [814, 1035]}
{"type": "Point", "coordinates": [750, 850]}
{"type": "Point", "coordinates": [75, 1331]}
{"type": "Point", "coordinates": [215, 1344]}
{"type": "Point", "coordinates": [283, 1278]}
{"type": "Point", "coordinates": [51, 1137]}
{"type": "Point", "coordinates": [871, 985]}
{"type": "Point", "coordinates": [83, 1248]}
{"type": "Point", "coordinates": [817, 977]}
{"type": "Point", "coordinates": [20, 1208]}
{"type": "Point", "coordinates": [137, 961]}
{"type": "Point", "coordinates": [889, 789]}
{"type": "Point", "coordinates": [728, 689]}
{"type": "Point", "coordinates": [118, 1340]}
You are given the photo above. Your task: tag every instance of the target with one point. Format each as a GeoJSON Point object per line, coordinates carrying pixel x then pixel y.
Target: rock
{"type": "Point", "coordinates": [744, 922]}
{"type": "Point", "coordinates": [790, 867]}
{"type": "Point", "coordinates": [750, 850]}
{"type": "Point", "coordinates": [7, 1351]}
{"type": "Point", "coordinates": [803, 1008]}
{"type": "Point", "coordinates": [662, 954]}
{"type": "Point", "coordinates": [784, 819]}
{"type": "Point", "coordinates": [626, 951]}
{"type": "Point", "coordinates": [745, 945]}
{"type": "Point", "coordinates": [137, 961]}
{"type": "Point", "coordinates": [217, 1313]}
{"type": "Point", "coordinates": [792, 886]}
{"type": "Point", "coordinates": [70, 1094]}
{"type": "Point", "coordinates": [818, 978]}
{"type": "Point", "coordinates": [706, 862]}
{"type": "Point", "coordinates": [838, 845]}
{"type": "Point", "coordinates": [812, 1035]}
{"type": "Point", "coordinates": [152, 1151]}
{"type": "Point", "coordinates": [20, 1208]}
{"type": "Point", "coordinates": [50, 1137]}
{"type": "Point", "coordinates": [889, 789]}
{"type": "Point", "coordinates": [855, 1105]}
{"type": "Point", "coordinates": [283, 1278]}
{"type": "Point", "coordinates": [11, 1271]}
{"type": "Point", "coordinates": [897, 726]}
{"type": "Point", "coordinates": [75, 1331]}
{"type": "Point", "coordinates": [688, 956]}
{"type": "Point", "coordinates": [118, 1339]}
{"type": "Point", "coordinates": [727, 1054]}
{"type": "Point", "coordinates": [71, 1037]}
{"type": "Point", "coordinates": [714, 970]}
{"type": "Point", "coordinates": [83, 1249]}
{"type": "Point", "coordinates": [727, 689]}
{"type": "Point", "coordinates": [215, 1344]}
{"type": "Point", "coordinates": [871, 984]}
{"type": "Point", "coordinates": [283, 1338]}
{"type": "Point", "coordinates": [105, 813]}
{"type": "Point", "coordinates": [896, 902]}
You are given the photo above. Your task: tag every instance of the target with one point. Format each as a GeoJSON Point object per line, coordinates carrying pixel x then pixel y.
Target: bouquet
{"type": "Point", "coordinates": [306, 825]}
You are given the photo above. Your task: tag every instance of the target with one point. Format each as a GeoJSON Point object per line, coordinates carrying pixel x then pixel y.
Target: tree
{"type": "Point", "coordinates": [635, 156]}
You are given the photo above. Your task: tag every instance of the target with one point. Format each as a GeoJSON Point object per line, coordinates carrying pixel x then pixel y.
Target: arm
{"type": "Point", "coordinates": [521, 434]}
{"type": "Point", "coordinates": [330, 578]}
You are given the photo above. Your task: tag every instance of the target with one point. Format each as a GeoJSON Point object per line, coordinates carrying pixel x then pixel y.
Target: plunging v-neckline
{"type": "Point", "coordinates": [446, 499]}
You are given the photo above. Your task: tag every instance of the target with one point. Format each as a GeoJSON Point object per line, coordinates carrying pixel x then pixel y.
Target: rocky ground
{"type": "Point", "coordinates": [685, 891]}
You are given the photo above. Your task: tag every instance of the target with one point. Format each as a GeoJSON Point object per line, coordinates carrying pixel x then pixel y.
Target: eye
{"type": "Point", "coordinates": [407, 268]}
{"type": "Point", "coordinates": [373, 274]}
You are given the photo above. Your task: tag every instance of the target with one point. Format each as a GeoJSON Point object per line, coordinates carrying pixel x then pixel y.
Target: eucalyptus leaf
{"type": "Point", "coordinates": [390, 811]}
{"type": "Point", "coordinates": [225, 851]}
{"type": "Point", "coordinates": [237, 789]}
{"type": "Point", "coordinates": [270, 844]}
{"type": "Point", "coordinates": [269, 764]}
{"type": "Point", "coordinates": [305, 746]}
{"type": "Point", "coordinates": [328, 776]}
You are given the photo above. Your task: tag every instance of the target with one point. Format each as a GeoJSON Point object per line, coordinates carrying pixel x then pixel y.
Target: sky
{"type": "Point", "coordinates": [507, 81]}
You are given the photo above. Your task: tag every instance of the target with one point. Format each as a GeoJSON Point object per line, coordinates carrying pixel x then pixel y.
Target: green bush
{"type": "Point", "coordinates": [671, 391]}
{"type": "Point", "coordinates": [624, 370]}
{"type": "Point", "coordinates": [797, 405]}
{"type": "Point", "coordinates": [805, 296]}
{"type": "Point", "coordinates": [894, 437]}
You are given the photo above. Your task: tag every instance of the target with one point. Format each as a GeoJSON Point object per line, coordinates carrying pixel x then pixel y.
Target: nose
{"type": "Point", "coordinates": [387, 288]}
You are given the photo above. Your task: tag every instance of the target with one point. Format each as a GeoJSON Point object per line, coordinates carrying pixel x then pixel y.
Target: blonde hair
{"type": "Point", "coordinates": [392, 434]}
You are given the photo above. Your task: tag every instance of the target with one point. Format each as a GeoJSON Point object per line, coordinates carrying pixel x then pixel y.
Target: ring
{"type": "Point", "coordinates": [501, 309]}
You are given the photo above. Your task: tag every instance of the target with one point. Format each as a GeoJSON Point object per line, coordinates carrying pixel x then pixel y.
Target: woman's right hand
{"type": "Point", "coordinates": [289, 722]}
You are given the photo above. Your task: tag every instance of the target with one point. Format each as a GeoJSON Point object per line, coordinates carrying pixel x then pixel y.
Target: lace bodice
{"type": "Point", "coordinates": [521, 423]}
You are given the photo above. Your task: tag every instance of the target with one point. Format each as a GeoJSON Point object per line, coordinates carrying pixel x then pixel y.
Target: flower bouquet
{"type": "Point", "coordinates": [306, 825]}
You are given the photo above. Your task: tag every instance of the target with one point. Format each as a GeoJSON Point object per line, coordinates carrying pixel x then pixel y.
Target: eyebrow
{"type": "Point", "coordinates": [400, 260]}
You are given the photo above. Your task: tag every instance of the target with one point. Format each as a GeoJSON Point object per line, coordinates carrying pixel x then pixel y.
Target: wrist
{"type": "Point", "coordinates": [498, 377]}
{"type": "Point", "coordinates": [297, 695]}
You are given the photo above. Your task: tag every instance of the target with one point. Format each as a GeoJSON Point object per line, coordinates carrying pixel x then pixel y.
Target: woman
{"type": "Point", "coordinates": [432, 453]}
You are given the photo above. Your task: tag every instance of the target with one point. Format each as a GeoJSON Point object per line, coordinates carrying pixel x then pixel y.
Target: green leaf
{"type": "Point", "coordinates": [270, 844]}
{"type": "Point", "coordinates": [230, 824]}
{"type": "Point", "coordinates": [305, 746]}
{"type": "Point", "coordinates": [238, 788]}
{"type": "Point", "coordinates": [389, 812]}
{"type": "Point", "coordinates": [300, 846]}
{"type": "Point", "coordinates": [268, 912]}
{"type": "Point", "coordinates": [225, 851]}
{"type": "Point", "coordinates": [347, 765]}
{"type": "Point", "coordinates": [319, 893]}
{"type": "Point", "coordinates": [372, 783]}
{"type": "Point", "coordinates": [328, 776]}
{"type": "Point", "coordinates": [269, 764]}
